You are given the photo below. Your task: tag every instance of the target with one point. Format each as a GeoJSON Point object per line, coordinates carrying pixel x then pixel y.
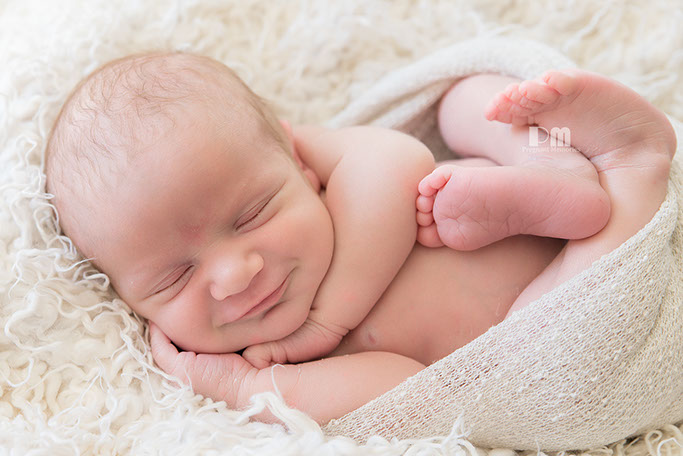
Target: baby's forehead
{"type": "Point", "coordinates": [125, 106]}
{"type": "Point", "coordinates": [123, 109]}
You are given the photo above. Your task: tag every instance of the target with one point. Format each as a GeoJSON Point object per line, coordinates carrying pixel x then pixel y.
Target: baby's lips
{"type": "Point", "coordinates": [236, 312]}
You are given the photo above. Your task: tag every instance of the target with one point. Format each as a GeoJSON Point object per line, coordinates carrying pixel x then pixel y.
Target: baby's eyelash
{"type": "Point", "coordinates": [177, 280]}
{"type": "Point", "coordinates": [252, 218]}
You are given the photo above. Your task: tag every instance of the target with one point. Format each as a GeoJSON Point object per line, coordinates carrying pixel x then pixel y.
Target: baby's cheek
{"type": "Point", "coordinates": [181, 325]}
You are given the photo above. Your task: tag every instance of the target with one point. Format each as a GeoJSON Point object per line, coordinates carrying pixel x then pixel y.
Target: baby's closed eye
{"type": "Point", "coordinates": [177, 282]}
{"type": "Point", "coordinates": [254, 214]}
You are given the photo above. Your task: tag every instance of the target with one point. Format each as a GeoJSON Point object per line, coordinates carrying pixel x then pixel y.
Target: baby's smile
{"type": "Point", "coordinates": [224, 242]}
{"type": "Point", "coordinates": [265, 304]}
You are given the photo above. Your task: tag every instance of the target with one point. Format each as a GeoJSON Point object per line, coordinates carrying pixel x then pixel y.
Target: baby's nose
{"type": "Point", "coordinates": [232, 275]}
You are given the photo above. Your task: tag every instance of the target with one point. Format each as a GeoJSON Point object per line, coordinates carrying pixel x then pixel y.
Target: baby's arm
{"type": "Point", "coordinates": [370, 176]}
{"type": "Point", "coordinates": [324, 389]}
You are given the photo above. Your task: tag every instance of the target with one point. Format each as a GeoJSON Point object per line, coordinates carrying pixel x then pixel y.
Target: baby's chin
{"type": "Point", "coordinates": [229, 346]}
{"type": "Point", "coordinates": [275, 324]}
{"type": "Point", "coordinates": [209, 348]}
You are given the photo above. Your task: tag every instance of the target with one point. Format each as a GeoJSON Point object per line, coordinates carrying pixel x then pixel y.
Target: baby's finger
{"type": "Point", "coordinates": [257, 356]}
{"type": "Point", "coordinates": [163, 351]}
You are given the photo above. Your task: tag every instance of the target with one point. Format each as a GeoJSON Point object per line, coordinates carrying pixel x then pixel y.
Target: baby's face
{"type": "Point", "coordinates": [216, 237]}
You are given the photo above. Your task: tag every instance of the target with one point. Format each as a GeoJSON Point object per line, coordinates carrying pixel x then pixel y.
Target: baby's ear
{"type": "Point", "coordinates": [312, 177]}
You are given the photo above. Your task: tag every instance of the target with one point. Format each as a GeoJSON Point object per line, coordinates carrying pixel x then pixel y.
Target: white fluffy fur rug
{"type": "Point", "coordinates": [76, 374]}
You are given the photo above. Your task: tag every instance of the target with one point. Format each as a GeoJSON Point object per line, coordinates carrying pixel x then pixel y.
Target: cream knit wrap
{"type": "Point", "coordinates": [594, 360]}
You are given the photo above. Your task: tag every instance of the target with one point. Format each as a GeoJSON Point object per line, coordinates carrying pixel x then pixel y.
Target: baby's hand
{"type": "Point", "coordinates": [312, 340]}
{"type": "Point", "coordinates": [222, 377]}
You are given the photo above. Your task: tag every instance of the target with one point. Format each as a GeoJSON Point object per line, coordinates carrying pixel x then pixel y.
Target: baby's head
{"type": "Point", "coordinates": [180, 184]}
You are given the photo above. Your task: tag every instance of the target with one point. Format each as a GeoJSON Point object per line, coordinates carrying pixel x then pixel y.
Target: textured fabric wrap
{"type": "Point", "coordinates": [595, 360]}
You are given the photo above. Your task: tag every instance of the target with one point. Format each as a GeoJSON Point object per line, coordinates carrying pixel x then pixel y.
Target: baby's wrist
{"type": "Point", "coordinates": [253, 382]}
{"type": "Point", "coordinates": [328, 327]}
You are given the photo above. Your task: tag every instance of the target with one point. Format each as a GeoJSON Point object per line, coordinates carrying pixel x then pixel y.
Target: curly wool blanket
{"type": "Point", "coordinates": [76, 373]}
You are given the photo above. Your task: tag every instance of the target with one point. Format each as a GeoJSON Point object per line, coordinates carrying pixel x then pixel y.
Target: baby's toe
{"type": "Point", "coordinates": [520, 111]}
{"type": "Point", "coordinates": [562, 81]}
{"type": "Point", "coordinates": [424, 203]}
{"type": "Point", "coordinates": [539, 92]}
{"type": "Point", "coordinates": [493, 113]}
{"type": "Point", "coordinates": [429, 236]}
{"type": "Point", "coordinates": [424, 218]}
{"type": "Point", "coordinates": [433, 182]}
{"type": "Point", "coordinates": [529, 104]}
{"type": "Point", "coordinates": [512, 93]}
{"type": "Point", "coordinates": [502, 102]}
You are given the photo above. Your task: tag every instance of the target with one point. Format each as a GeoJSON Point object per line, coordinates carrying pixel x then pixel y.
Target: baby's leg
{"type": "Point", "coordinates": [628, 140]}
{"type": "Point", "coordinates": [549, 191]}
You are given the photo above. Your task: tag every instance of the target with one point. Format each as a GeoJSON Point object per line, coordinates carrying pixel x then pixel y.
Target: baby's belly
{"type": "Point", "coordinates": [441, 299]}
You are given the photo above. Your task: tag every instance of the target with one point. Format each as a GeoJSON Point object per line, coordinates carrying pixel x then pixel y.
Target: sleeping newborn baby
{"type": "Point", "coordinates": [229, 230]}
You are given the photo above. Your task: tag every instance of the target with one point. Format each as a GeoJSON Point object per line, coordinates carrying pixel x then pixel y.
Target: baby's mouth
{"type": "Point", "coordinates": [264, 304]}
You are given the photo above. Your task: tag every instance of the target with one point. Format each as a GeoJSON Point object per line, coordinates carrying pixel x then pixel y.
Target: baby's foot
{"type": "Point", "coordinates": [629, 142]}
{"type": "Point", "coordinates": [556, 192]}
{"type": "Point", "coordinates": [602, 116]}
{"type": "Point", "coordinates": [466, 208]}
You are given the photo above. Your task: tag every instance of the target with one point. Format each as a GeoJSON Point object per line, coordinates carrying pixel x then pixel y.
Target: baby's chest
{"type": "Point", "coordinates": [427, 312]}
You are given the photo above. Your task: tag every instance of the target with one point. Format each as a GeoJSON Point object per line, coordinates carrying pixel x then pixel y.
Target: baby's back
{"type": "Point", "coordinates": [441, 299]}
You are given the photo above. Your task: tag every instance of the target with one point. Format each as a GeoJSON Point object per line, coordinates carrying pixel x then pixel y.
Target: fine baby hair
{"type": "Point", "coordinates": [115, 112]}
